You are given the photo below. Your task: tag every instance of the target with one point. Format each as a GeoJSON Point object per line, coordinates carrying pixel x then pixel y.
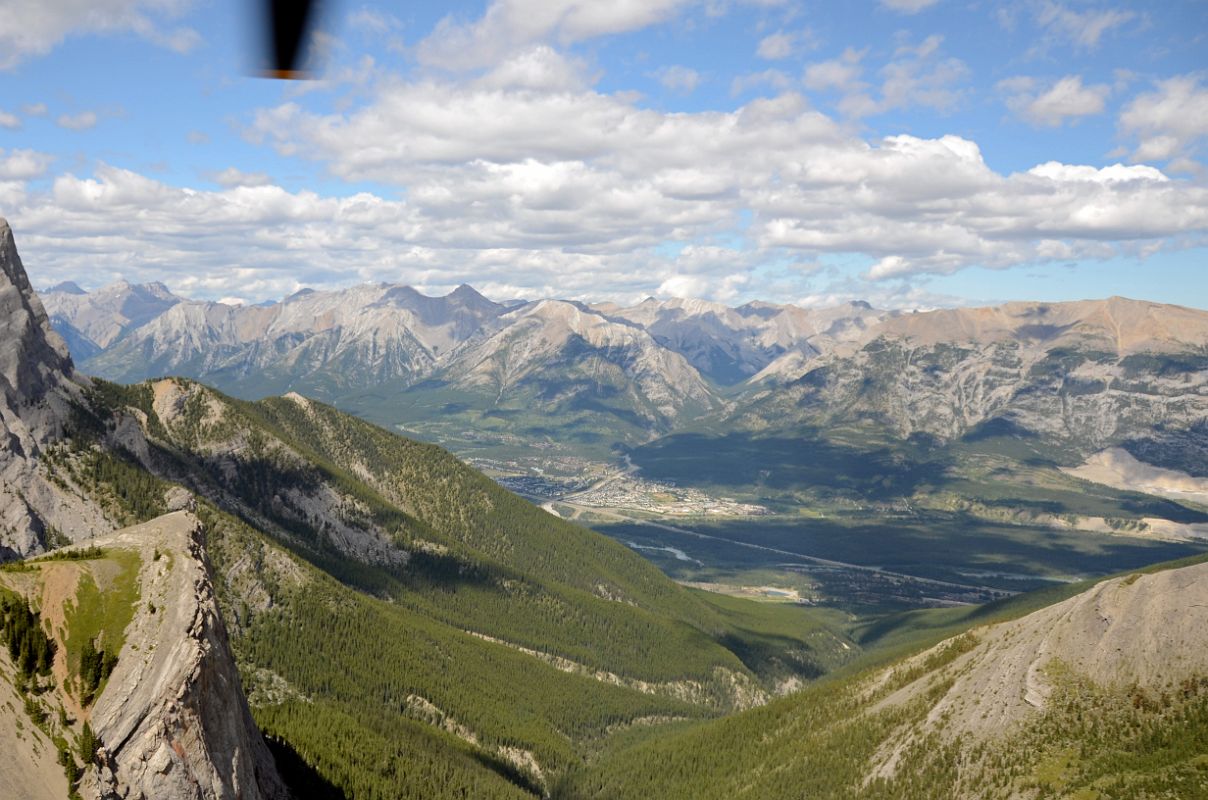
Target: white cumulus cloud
{"type": "Point", "coordinates": [597, 174]}
{"type": "Point", "coordinates": [23, 165]}
{"type": "Point", "coordinates": [1168, 122]}
{"type": "Point", "coordinates": [772, 78]}
{"type": "Point", "coordinates": [1085, 29]}
{"type": "Point", "coordinates": [232, 177]}
{"type": "Point", "coordinates": [511, 25]}
{"type": "Point", "coordinates": [842, 73]}
{"type": "Point", "coordinates": [679, 78]}
{"type": "Point", "coordinates": [918, 76]}
{"type": "Point", "coordinates": [529, 179]}
{"type": "Point", "coordinates": [34, 27]}
{"type": "Point", "coordinates": [1065, 99]}
{"type": "Point", "coordinates": [783, 44]}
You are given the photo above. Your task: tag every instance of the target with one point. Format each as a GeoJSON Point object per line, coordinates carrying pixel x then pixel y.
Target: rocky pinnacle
{"type": "Point", "coordinates": [32, 356]}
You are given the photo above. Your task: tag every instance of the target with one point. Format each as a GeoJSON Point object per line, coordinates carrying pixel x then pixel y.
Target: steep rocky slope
{"type": "Point", "coordinates": [557, 356]}
{"type": "Point", "coordinates": [175, 694]}
{"type": "Point", "coordinates": [722, 343]}
{"type": "Point", "coordinates": [1117, 325]}
{"type": "Point", "coordinates": [31, 770]}
{"type": "Point", "coordinates": [92, 321]}
{"type": "Point", "coordinates": [170, 720]}
{"type": "Point", "coordinates": [173, 721]}
{"type": "Point", "coordinates": [1146, 632]}
{"type": "Point", "coordinates": [37, 390]}
{"type": "Point", "coordinates": [729, 345]}
{"type": "Point", "coordinates": [33, 358]}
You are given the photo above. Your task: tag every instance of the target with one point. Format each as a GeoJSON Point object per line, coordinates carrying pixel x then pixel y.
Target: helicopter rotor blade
{"type": "Point", "coordinates": [288, 26]}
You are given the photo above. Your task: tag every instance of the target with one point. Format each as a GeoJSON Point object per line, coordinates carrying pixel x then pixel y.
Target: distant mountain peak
{"type": "Point", "coordinates": [306, 291]}
{"type": "Point", "coordinates": [1116, 323]}
{"type": "Point", "coordinates": [122, 286]}
{"type": "Point", "coordinates": [468, 295]}
{"type": "Point", "coordinates": [67, 287]}
{"type": "Point", "coordinates": [158, 289]}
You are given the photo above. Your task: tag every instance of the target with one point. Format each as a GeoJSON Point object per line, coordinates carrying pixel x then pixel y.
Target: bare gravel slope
{"type": "Point", "coordinates": [1145, 630]}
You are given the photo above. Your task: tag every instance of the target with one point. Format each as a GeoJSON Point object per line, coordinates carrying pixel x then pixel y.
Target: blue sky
{"type": "Point", "coordinates": [910, 152]}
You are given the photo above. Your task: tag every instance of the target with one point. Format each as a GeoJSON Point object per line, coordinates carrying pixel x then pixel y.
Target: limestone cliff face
{"type": "Point", "coordinates": [36, 387]}
{"type": "Point", "coordinates": [173, 720]}
{"type": "Point", "coordinates": [33, 358]}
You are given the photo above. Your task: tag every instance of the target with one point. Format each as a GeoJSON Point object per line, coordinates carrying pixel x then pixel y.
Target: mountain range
{"type": "Point", "coordinates": [589, 378]}
{"type": "Point", "coordinates": [412, 337]}
{"type": "Point", "coordinates": [273, 598]}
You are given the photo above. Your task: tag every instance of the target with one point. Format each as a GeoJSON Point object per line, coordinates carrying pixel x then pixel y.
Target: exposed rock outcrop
{"type": "Point", "coordinates": [91, 321]}
{"type": "Point", "coordinates": [36, 387]}
{"type": "Point", "coordinates": [173, 720]}
{"type": "Point", "coordinates": [33, 358]}
{"type": "Point", "coordinates": [1149, 631]}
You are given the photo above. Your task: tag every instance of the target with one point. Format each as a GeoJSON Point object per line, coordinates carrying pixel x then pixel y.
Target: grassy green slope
{"type": "Point", "coordinates": [82, 603]}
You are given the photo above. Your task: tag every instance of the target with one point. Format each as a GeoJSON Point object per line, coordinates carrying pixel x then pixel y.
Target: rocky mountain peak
{"type": "Point", "coordinates": [35, 386]}
{"type": "Point", "coordinates": [32, 356]}
{"type": "Point", "coordinates": [158, 289]}
{"type": "Point", "coordinates": [91, 321]}
{"type": "Point", "coordinates": [470, 297]}
{"type": "Point", "coordinates": [300, 294]}
{"type": "Point", "coordinates": [66, 287]}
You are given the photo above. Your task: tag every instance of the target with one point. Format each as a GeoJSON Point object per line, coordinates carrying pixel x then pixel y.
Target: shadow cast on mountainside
{"type": "Point", "coordinates": [764, 654]}
{"type": "Point", "coordinates": [509, 772]}
{"type": "Point", "coordinates": [778, 462]}
{"type": "Point", "coordinates": [996, 427]}
{"type": "Point", "coordinates": [1183, 449]}
{"type": "Point", "coordinates": [1165, 509]}
{"type": "Point", "coordinates": [302, 780]}
{"type": "Point", "coordinates": [953, 548]}
{"type": "Point", "coordinates": [943, 546]}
